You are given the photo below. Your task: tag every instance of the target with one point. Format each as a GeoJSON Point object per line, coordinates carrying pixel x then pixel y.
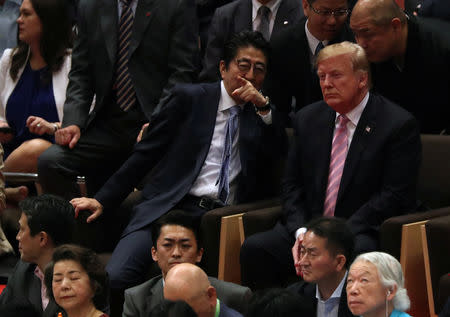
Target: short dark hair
{"type": "Point", "coordinates": [57, 37]}
{"type": "Point", "coordinates": [179, 218]}
{"type": "Point", "coordinates": [245, 39]}
{"type": "Point", "coordinates": [340, 239]}
{"type": "Point", "coordinates": [278, 302]}
{"type": "Point", "coordinates": [90, 262]}
{"type": "Point", "coordinates": [51, 214]}
{"type": "Point", "coordinates": [169, 308]}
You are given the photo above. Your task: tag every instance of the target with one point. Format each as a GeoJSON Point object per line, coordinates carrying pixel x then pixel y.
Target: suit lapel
{"type": "Point", "coordinates": [109, 22]}
{"type": "Point", "coordinates": [142, 18]}
{"type": "Point", "coordinates": [283, 16]}
{"type": "Point", "coordinates": [364, 128]}
{"type": "Point", "coordinates": [154, 297]}
{"type": "Point", "coordinates": [244, 17]}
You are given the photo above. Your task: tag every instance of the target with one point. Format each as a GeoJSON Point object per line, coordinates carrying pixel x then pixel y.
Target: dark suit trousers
{"type": "Point", "coordinates": [103, 147]}
{"type": "Point", "coordinates": [266, 259]}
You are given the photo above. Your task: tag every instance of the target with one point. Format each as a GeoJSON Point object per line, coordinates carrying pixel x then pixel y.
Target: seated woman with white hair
{"type": "Point", "coordinates": [375, 286]}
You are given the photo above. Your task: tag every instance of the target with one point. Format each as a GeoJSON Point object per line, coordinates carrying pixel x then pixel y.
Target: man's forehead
{"type": "Point", "coordinates": [176, 232]}
{"type": "Point", "coordinates": [330, 4]}
{"type": "Point", "coordinates": [313, 241]}
{"type": "Point", "coordinates": [252, 54]}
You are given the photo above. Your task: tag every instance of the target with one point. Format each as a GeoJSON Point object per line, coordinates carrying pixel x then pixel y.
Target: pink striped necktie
{"type": "Point", "coordinates": [337, 161]}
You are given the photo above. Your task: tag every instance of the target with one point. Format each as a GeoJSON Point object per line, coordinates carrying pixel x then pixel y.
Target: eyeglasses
{"type": "Point", "coordinates": [245, 65]}
{"type": "Point", "coordinates": [327, 13]}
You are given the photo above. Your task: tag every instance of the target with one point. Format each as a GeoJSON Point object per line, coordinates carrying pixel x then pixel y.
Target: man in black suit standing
{"type": "Point", "coordinates": [410, 60]}
{"type": "Point", "coordinates": [197, 164]}
{"type": "Point", "coordinates": [292, 81]}
{"type": "Point", "coordinates": [127, 56]}
{"type": "Point", "coordinates": [356, 155]}
{"type": "Point", "coordinates": [267, 16]}
{"type": "Point", "coordinates": [325, 256]}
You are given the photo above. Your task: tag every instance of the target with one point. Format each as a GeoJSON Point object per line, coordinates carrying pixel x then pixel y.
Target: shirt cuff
{"type": "Point", "coordinates": [300, 231]}
{"type": "Point", "coordinates": [267, 118]}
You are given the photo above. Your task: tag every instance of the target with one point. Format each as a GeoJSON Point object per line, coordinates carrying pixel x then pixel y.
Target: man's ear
{"type": "Point", "coordinates": [154, 254]}
{"type": "Point", "coordinates": [305, 6]}
{"type": "Point", "coordinates": [222, 68]}
{"type": "Point", "coordinates": [212, 295]}
{"type": "Point", "coordinates": [341, 261]}
{"type": "Point", "coordinates": [44, 239]}
{"type": "Point", "coordinates": [199, 255]}
{"type": "Point", "coordinates": [396, 24]}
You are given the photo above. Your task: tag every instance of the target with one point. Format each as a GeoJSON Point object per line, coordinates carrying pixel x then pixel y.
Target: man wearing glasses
{"type": "Point", "coordinates": [211, 145]}
{"type": "Point", "coordinates": [292, 82]}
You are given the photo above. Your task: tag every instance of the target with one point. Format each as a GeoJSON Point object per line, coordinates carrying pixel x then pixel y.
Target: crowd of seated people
{"type": "Point", "coordinates": [123, 106]}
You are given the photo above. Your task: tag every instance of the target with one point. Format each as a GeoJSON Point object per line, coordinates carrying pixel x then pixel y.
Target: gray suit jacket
{"type": "Point", "coordinates": [142, 299]}
{"type": "Point", "coordinates": [235, 17]}
{"type": "Point", "coordinates": [163, 52]}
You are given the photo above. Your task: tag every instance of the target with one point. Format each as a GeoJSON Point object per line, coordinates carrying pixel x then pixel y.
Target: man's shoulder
{"type": "Point", "coordinates": [231, 7]}
{"type": "Point", "coordinates": [228, 286]}
{"type": "Point", "coordinates": [226, 311]}
{"type": "Point", "coordinates": [388, 109]}
{"type": "Point", "coordinates": [303, 288]}
{"type": "Point", "coordinates": [145, 287]}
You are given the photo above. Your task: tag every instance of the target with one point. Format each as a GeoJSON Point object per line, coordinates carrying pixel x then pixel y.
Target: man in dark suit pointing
{"type": "Point", "coordinates": [211, 145]}
{"type": "Point", "coordinates": [356, 155]}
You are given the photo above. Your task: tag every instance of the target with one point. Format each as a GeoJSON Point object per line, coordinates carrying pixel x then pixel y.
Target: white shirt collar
{"type": "Point", "coordinates": [272, 5]}
{"type": "Point", "coordinates": [355, 114]}
{"type": "Point", "coordinates": [226, 102]}
{"type": "Point", "coordinates": [312, 40]}
{"type": "Point", "coordinates": [337, 292]}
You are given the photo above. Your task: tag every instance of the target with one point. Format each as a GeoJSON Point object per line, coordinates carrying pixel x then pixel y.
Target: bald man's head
{"type": "Point", "coordinates": [189, 283]}
{"type": "Point", "coordinates": [380, 28]}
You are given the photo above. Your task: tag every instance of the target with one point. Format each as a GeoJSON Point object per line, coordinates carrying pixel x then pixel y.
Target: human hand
{"type": "Point", "coordinates": [39, 126]}
{"type": "Point", "coordinates": [68, 136]}
{"type": "Point", "coordinates": [296, 254]}
{"type": "Point", "coordinates": [141, 133]}
{"type": "Point", "coordinates": [90, 204]}
{"type": "Point", "coordinates": [248, 93]}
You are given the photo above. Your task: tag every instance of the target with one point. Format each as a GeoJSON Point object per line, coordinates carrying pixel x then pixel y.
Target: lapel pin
{"type": "Point", "coordinates": [147, 14]}
{"type": "Point", "coordinates": [368, 129]}
{"type": "Point", "coordinates": [285, 22]}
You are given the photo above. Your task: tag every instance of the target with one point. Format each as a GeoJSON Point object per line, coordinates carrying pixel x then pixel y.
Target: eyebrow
{"type": "Point", "coordinates": [173, 240]}
{"type": "Point", "coordinates": [70, 272]}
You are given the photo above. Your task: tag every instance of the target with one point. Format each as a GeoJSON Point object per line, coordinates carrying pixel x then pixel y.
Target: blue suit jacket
{"type": "Point", "coordinates": [176, 146]}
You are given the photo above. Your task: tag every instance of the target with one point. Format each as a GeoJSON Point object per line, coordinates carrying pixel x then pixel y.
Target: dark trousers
{"type": "Point", "coordinates": [103, 147]}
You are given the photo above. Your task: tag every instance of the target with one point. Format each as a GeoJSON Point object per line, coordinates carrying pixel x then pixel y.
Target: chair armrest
{"type": "Point", "coordinates": [12, 177]}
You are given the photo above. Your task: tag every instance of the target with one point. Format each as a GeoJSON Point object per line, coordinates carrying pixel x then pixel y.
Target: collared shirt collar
{"type": "Point", "coordinates": [355, 114]}
{"type": "Point", "coordinates": [226, 102]}
{"type": "Point", "coordinates": [272, 5]}
{"type": "Point", "coordinates": [337, 292]}
{"type": "Point", "coordinates": [312, 40]}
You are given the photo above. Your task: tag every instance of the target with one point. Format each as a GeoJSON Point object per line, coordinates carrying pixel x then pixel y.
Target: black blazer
{"type": "Point", "coordinates": [176, 146]}
{"type": "Point", "coordinates": [24, 284]}
{"type": "Point", "coordinates": [235, 17]}
{"type": "Point", "coordinates": [422, 87]}
{"type": "Point", "coordinates": [162, 52]}
{"type": "Point", "coordinates": [308, 290]}
{"type": "Point", "coordinates": [290, 71]}
{"type": "Point", "coordinates": [380, 171]}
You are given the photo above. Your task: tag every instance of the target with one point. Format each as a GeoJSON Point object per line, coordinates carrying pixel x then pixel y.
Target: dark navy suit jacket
{"type": "Point", "coordinates": [176, 146]}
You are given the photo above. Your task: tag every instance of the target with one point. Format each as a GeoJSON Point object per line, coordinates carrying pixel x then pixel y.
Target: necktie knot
{"type": "Point", "coordinates": [319, 47]}
{"type": "Point", "coordinates": [234, 111]}
{"type": "Point", "coordinates": [343, 120]}
{"type": "Point", "coordinates": [264, 11]}
{"type": "Point", "coordinates": [126, 2]}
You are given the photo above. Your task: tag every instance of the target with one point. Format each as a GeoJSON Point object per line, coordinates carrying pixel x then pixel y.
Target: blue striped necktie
{"type": "Point", "coordinates": [230, 132]}
{"type": "Point", "coordinates": [126, 96]}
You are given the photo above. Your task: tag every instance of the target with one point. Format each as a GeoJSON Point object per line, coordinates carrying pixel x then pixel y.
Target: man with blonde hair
{"type": "Point", "coordinates": [189, 283]}
{"type": "Point", "coordinates": [410, 59]}
{"type": "Point", "coordinates": [356, 156]}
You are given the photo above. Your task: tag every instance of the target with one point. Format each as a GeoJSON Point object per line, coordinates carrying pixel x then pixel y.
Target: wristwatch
{"type": "Point", "coordinates": [264, 108]}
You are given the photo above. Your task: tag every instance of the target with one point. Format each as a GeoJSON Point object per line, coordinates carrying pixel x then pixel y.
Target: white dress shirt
{"type": "Point", "coordinates": [313, 42]}
{"type": "Point", "coordinates": [330, 307]}
{"type": "Point", "coordinates": [256, 18]}
{"type": "Point", "coordinates": [206, 183]}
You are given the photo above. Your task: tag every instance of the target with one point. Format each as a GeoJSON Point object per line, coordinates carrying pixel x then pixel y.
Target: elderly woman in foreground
{"type": "Point", "coordinates": [375, 286]}
{"type": "Point", "coordinates": [77, 281]}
